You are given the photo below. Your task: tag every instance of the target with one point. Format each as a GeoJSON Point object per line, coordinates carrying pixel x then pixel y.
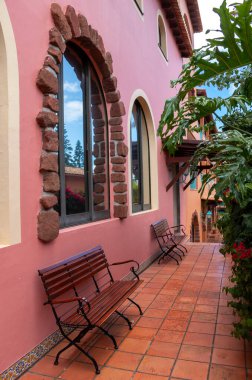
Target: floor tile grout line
{"type": "Point", "coordinates": [177, 357]}
{"type": "Point", "coordinates": [151, 340]}
{"type": "Point", "coordinates": [215, 329]}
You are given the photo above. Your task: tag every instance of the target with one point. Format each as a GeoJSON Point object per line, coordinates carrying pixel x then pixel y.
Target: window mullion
{"type": "Point", "coordinates": [89, 141]}
{"type": "Point", "coordinates": [61, 149]}
{"type": "Point", "coordinates": [140, 155]}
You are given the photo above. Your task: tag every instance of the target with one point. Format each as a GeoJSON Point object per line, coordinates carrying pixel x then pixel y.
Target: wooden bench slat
{"type": "Point", "coordinates": [105, 304]}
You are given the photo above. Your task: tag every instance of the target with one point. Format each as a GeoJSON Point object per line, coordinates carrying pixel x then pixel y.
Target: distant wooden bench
{"type": "Point", "coordinates": [83, 294]}
{"type": "Point", "coordinates": [169, 239]}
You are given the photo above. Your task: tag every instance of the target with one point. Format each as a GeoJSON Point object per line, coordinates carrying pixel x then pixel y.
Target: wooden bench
{"type": "Point", "coordinates": [83, 294]}
{"type": "Point", "coordinates": [168, 241]}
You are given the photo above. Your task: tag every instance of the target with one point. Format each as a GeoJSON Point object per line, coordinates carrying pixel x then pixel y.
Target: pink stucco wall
{"type": "Point", "coordinates": [138, 64]}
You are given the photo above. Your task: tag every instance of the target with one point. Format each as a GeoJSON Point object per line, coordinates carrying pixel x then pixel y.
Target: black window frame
{"type": "Point", "coordinates": [160, 39]}
{"type": "Point", "coordinates": [139, 8]}
{"type": "Point", "coordinates": [140, 206]}
{"type": "Point", "coordinates": [91, 215]}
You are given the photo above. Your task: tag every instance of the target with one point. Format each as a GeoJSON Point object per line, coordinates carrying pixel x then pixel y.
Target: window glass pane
{"type": "Point", "coordinates": [74, 162]}
{"type": "Point", "coordinates": [98, 120]}
{"type": "Point", "coordinates": [146, 163]}
{"type": "Point", "coordinates": [135, 158]}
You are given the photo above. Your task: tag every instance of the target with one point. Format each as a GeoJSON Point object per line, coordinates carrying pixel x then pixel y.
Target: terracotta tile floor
{"type": "Point", "coordinates": [184, 333]}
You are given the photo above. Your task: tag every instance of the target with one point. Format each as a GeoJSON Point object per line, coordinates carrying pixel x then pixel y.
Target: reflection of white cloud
{"type": "Point", "coordinates": [72, 86]}
{"type": "Point", "coordinates": [73, 111]}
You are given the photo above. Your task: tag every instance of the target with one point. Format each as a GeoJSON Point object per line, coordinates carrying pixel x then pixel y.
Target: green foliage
{"type": "Point", "coordinates": [78, 158]}
{"type": "Point", "coordinates": [213, 64]}
{"type": "Point", "coordinates": [224, 61]}
{"type": "Point", "coordinates": [68, 150]}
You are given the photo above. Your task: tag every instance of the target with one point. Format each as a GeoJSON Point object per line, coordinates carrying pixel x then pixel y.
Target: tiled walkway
{"type": "Point", "coordinates": [184, 333]}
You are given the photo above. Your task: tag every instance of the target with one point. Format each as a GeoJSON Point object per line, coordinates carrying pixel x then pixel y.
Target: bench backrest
{"type": "Point", "coordinates": [160, 228]}
{"type": "Point", "coordinates": [68, 274]}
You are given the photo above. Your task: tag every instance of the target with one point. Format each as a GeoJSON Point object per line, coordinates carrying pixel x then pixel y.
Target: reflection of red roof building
{"type": "Point", "coordinates": [75, 179]}
{"type": "Point", "coordinates": [74, 171]}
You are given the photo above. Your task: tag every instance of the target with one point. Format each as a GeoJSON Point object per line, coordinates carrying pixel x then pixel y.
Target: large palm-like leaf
{"type": "Point", "coordinates": [220, 57]}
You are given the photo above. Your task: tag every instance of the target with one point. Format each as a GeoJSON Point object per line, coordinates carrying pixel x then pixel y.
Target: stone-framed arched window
{"type": "Point", "coordinates": [73, 30]}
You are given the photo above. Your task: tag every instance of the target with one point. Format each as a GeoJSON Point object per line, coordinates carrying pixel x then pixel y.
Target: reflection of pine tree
{"type": "Point", "coordinates": [67, 149]}
{"type": "Point", "coordinates": [78, 158]}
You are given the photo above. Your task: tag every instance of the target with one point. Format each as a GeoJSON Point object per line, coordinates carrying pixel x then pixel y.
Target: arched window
{"type": "Point", "coordinates": [83, 148]}
{"type": "Point", "coordinates": [162, 36]}
{"type": "Point", "coordinates": [140, 160]}
{"type": "Point", "coordinates": [10, 224]}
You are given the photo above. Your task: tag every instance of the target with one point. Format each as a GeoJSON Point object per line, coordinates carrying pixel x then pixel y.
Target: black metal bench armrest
{"type": "Point", "coordinates": [133, 270]}
{"type": "Point", "coordinates": [179, 225]}
{"type": "Point", "coordinates": [80, 300]}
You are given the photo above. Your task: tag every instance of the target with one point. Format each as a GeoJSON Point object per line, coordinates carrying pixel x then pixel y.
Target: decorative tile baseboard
{"type": "Point", "coordinates": [27, 361]}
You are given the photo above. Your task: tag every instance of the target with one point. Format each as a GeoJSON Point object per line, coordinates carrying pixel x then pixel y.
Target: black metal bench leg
{"type": "Point", "coordinates": [180, 250]}
{"type": "Point", "coordinates": [73, 343]}
{"type": "Point", "coordinates": [109, 335]}
{"type": "Point", "coordinates": [126, 319]}
{"type": "Point", "coordinates": [56, 361]}
{"type": "Point", "coordinates": [176, 253]}
{"type": "Point", "coordinates": [167, 253]}
{"type": "Point", "coordinates": [139, 308]}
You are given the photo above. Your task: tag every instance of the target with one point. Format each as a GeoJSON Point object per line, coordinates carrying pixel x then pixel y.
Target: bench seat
{"type": "Point", "coordinates": [104, 304]}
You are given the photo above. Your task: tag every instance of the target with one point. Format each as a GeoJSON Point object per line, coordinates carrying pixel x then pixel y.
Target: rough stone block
{"type": "Point", "coordinates": [117, 109]}
{"type": "Point", "coordinates": [99, 161]}
{"type": "Point", "coordinates": [49, 162]}
{"type": "Point", "coordinates": [122, 149]}
{"type": "Point", "coordinates": [118, 160]}
{"type": "Point", "coordinates": [117, 136]}
{"type": "Point", "coordinates": [116, 128]}
{"type": "Point", "coordinates": [120, 198]}
{"type": "Point", "coordinates": [55, 39]}
{"type": "Point", "coordinates": [117, 177]}
{"type": "Point", "coordinates": [121, 211]}
{"type": "Point", "coordinates": [96, 112]}
{"type": "Point", "coordinates": [47, 119]}
{"type": "Point", "coordinates": [50, 141]}
{"type": "Point", "coordinates": [109, 84]}
{"type": "Point", "coordinates": [84, 28]}
{"type": "Point", "coordinates": [113, 97]}
{"type": "Point", "coordinates": [99, 178]}
{"type": "Point", "coordinates": [96, 99]}
{"type": "Point", "coordinates": [60, 21]}
{"type": "Point", "coordinates": [52, 103]}
{"type": "Point", "coordinates": [48, 225]}
{"type": "Point", "coordinates": [115, 121]}
{"type": "Point", "coordinates": [49, 62]}
{"type": "Point", "coordinates": [120, 188]}
{"type": "Point", "coordinates": [56, 53]}
{"type": "Point", "coordinates": [99, 169]}
{"type": "Point", "coordinates": [47, 82]}
{"type": "Point", "coordinates": [51, 182]}
{"type": "Point", "coordinates": [118, 168]}
{"type": "Point", "coordinates": [73, 21]}
{"type": "Point", "coordinates": [98, 198]}
{"type": "Point", "coordinates": [98, 188]}
{"type": "Point", "coordinates": [48, 201]}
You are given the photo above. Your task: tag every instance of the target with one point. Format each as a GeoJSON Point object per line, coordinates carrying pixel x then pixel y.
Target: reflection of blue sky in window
{"type": "Point", "coordinates": [73, 105]}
